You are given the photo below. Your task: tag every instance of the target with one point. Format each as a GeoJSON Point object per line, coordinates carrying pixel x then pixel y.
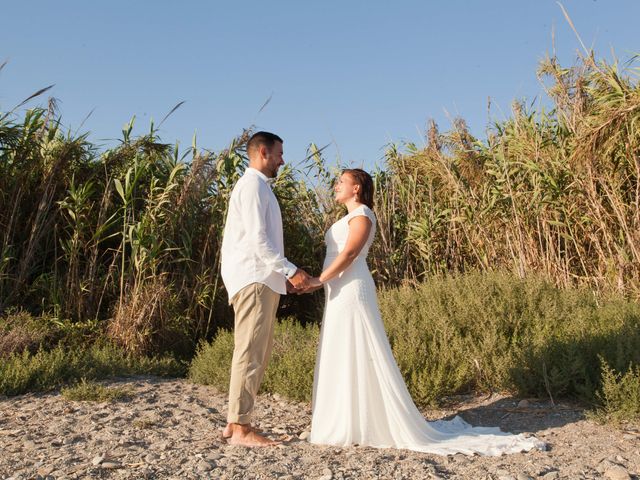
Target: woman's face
{"type": "Point", "coordinates": [345, 188]}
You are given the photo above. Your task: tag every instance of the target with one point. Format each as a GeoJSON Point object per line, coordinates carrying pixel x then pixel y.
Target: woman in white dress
{"type": "Point", "coordinates": [359, 395]}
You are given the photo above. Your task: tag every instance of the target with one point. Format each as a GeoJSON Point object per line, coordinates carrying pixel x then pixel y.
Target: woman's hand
{"type": "Point", "coordinates": [314, 284]}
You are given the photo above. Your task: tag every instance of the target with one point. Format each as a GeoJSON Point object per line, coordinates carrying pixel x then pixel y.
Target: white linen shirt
{"type": "Point", "coordinates": [252, 243]}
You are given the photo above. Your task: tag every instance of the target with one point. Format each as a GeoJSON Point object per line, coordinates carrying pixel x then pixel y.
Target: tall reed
{"type": "Point", "coordinates": [131, 236]}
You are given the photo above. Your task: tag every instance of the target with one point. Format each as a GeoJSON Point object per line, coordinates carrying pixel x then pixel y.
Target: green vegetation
{"type": "Point", "coordinates": [121, 247]}
{"type": "Point", "coordinates": [497, 332]}
{"type": "Point", "coordinates": [477, 332]}
{"type": "Point", "coordinates": [48, 370]}
{"type": "Point", "coordinates": [620, 396]}
{"type": "Point", "coordinates": [88, 391]}
{"type": "Point", "coordinates": [21, 331]}
{"type": "Point", "coordinates": [130, 237]}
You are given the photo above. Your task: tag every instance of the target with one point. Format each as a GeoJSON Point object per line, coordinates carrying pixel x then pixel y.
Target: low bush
{"type": "Point", "coordinates": [21, 331]}
{"type": "Point", "coordinates": [620, 395]}
{"type": "Point", "coordinates": [90, 391]}
{"type": "Point", "coordinates": [50, 369]}
{"type": "Point", "coordinates": [498, 332]}
{"type": "Point", "coordinates": [477, 332]}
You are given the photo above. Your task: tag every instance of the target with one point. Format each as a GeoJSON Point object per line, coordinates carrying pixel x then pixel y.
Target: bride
{"type": "Point", "coordinates": [359, 395]}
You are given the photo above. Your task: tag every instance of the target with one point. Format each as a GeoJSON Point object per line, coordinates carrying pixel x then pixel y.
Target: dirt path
{"type": "Point", "coordinates": [170, 429]}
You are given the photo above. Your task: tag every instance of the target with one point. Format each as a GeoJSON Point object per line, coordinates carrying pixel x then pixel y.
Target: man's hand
{"type": "Point", "coordinates": [300, 279]}
{"type": "Point", "coordinates": [291, 288]}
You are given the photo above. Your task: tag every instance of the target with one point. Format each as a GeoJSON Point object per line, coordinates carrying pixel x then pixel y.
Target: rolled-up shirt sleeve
{"type": "Point", "coordinates": [254, 219]}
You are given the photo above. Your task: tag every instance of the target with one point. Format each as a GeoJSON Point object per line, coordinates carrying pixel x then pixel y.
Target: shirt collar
{"type": "Point", "coordinates": [269, 181]}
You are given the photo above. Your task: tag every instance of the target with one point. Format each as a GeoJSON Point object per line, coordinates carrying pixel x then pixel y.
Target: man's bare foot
{"type": "Point", "coordinates": [228, 431]}
{"type": "Point", "coordinates": [245, 435]}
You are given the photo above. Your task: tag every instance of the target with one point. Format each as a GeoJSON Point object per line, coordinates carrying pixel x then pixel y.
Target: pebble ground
{"type": "Point", "coordinates": [170, 428]}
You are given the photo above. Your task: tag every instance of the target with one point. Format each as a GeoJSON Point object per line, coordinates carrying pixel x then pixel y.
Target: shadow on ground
{"type": "Point", "coordinates": [511, 414]}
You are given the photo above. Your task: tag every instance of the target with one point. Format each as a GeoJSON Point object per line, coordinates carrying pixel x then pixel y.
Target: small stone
{"type": "Point", "coordinates": [617, 473]}
{"type": "Point", "coordinates": [29, 444]}
{"type": "Point", "coordinates": [160, 446]}
{"type": "Point", "coordinates": [551, 475]}
{"type": "Point", "coordinates": [111, 465]}
{"type": "Point", "coordinates": [605, 465]}
{"type": "Point", "coordinates": [213, 457]}
{"type": "Point", "coordinates": [72, 440]}
{"type": "Point", "coordinates": [506, 477]}
{"type": "Point", "coordinates": [44, 471]}
{"type": "Point", "coordinates": [327, 474]}
{"type": "Point", "coordinates": [522, 476]}
{"type": "Point", "coordinates": [151, 457]}
{"type": "Point", "coordinates": [524, 404]}
{"type": "Point", "coordinates": [97, 460]}
{"type": "Point", "coordinates": [204, 466]}
{"type": "Point", "coordinates": [75, 468]}
{"type": "Point", "coordinates": [304, 435]}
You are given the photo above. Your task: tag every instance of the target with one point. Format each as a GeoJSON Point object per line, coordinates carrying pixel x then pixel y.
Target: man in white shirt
{"type": "Point", "coordinates": [255, 273]}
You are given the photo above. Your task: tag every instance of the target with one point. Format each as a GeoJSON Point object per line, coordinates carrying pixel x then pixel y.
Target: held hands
{"type": "Point", "coordinates": [301, 282]}
{"type": "Point", "coordinates": [314, 284]}
{"type": "Point", "coordinates": [298, 281]}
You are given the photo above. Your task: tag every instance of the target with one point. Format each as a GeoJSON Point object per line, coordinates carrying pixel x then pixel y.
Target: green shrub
{"type": "Point", "coordinates": [620, 395]}
{"type": "Point", "coordinates": [474, 332]}
{"type": "Point", "coordinates": [47, 370]}
{"type": "Point", "coordinates": [212, 361]}
{"type": "Point", "coordinates": [19, 330]}
{"type": "Point", "coordinates": [494, 331]}
{"type": "Point", "coordinates": [290, 370]}
{"type": "Point", "coordinates": [89, 391]}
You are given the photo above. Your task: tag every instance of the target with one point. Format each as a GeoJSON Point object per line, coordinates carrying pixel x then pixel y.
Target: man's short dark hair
{"type": "Point", "coordinates": [259, 139]}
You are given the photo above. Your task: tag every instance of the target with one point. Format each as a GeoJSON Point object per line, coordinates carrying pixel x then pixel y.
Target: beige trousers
{"type": "Point", "coordinates": [255, 313]}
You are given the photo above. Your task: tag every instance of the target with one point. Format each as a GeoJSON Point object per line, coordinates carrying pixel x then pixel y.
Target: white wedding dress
{"type": "Point", "coordinates": [359, 395]}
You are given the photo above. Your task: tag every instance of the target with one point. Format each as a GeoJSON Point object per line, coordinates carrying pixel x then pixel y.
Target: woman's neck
{"type": "Point", "coordinates": [352, 204]}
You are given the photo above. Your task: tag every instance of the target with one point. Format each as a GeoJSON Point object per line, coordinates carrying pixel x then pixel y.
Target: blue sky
{"type": "Point", "coordinates": [355, 74]}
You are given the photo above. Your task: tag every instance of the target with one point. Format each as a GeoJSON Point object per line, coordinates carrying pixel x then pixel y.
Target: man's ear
{"type": "Point", "coordinates": [263, 151]}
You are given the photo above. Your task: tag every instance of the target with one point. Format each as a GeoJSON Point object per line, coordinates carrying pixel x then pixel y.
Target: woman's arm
{"type": "Point", "coordinates": [359, 228]}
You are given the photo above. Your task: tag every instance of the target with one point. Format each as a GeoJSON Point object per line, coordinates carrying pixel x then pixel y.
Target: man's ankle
{"type": "Point", "coordinates": [242, 428]}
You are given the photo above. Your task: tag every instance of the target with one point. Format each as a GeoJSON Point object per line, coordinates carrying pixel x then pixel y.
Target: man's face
{"type": "Point", "coordinates": [273, 159]}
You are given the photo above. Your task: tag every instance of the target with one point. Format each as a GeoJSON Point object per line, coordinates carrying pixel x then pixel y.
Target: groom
{"type": "Point", "coordinates": [255, 273]}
